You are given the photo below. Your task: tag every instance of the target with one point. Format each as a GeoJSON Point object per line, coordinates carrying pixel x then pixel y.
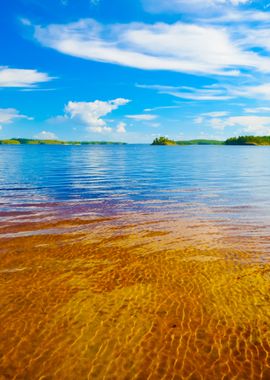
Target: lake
{"type": "Point", "coordinates": [136, 261]}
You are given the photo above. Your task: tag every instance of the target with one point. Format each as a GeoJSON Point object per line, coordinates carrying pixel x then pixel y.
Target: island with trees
{"type": "Point", "coordinates": [23, 141]}
{"type": "Point", "coordinates": [163, 141]}
{"type": "Point", "coordinates": [166, 141]}
{"type": "Point", "coordinates": [241, 140]}
{"type": "Point", "coordinates": [248, 140]}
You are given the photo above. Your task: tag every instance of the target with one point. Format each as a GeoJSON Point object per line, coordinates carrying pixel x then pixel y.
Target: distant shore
{"type": "Point", "coordinates": [241, 140]}
{"type": "Point", "coordinates": [162, 141]}
{"type": "Point", "coordinates": [24, 141]}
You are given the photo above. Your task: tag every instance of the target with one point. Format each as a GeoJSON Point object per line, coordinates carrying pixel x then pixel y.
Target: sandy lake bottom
{"type": "Point", "coordinates": [134, 296]}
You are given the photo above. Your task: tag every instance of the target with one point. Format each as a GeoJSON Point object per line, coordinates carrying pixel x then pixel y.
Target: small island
{"type": "Point", "coordinates": [165, 141]}
{"type": "Point", "coordinates": [241, 140]}
{"type": "Point", "coordinates": [23, 141]}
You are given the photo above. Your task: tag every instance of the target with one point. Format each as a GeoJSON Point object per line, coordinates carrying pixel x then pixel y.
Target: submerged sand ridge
{"type": "Point", "coordinates": [133, 296]}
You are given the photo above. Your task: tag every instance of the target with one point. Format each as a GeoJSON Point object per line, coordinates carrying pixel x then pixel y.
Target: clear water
{"type": "Point", "coordinates": [134, 262]}
{"type": "Point", "coordinates": [227, 184]}
{"type": "Point", "coordinates": [212, 176]}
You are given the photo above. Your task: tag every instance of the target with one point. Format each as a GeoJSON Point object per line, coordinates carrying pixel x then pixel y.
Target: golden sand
{"type": "Point", "coordinates": [132, 297]}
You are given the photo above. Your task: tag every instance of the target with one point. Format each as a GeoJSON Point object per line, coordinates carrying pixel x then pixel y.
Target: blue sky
{"type": "Point", "coordinates": [131, 70]}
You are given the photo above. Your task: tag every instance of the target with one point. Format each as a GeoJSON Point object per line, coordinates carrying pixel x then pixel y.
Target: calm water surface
{"type": "Point", "coordinates": [124, 176]}
{"type": "Point", "coordinates": [141, 262]}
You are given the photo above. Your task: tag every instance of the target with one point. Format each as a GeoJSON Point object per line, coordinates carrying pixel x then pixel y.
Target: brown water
{"type": "Point", "coordinates": [135, 296]}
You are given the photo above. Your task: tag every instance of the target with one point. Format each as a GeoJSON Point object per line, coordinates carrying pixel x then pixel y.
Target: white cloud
{"type": "Point", "coordinates": [21, 78]}
{"type": "Point", "coordinates": [45, 135]}
{"type": "Point", "coordinates": [121, 127]}
{"type": "Point", "coordinates": [91, 113]}
{"type": "Point", "coordinates": [9, 115]}
{"type": "Point", "coordinates": [181, 47]}
{"type": "Point", "coordinates": [142, 117]}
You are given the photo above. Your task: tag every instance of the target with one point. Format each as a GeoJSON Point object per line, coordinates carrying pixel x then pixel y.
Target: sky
{"type": "Point", "coordinates": [132, 70]}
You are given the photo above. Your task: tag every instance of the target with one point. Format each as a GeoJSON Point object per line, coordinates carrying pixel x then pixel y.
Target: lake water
{"type": "Point", "coordinates": [130, 177]}
{"type": "Point", "coordinates": [122, 262]}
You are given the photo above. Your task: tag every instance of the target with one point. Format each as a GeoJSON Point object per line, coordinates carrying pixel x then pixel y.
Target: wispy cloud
{"type": "Point", "coordinates": [22, 78]}
{"type": "Point", "coordinates": [142, 117]}
{"type": "Point", "coordinates": [213, 92]}
{"type": "Point", "coordinates": [261, 91]}
{"type": "Point", "coordinates": [190, 93]}
{"type": "Point", "coordinates": [153, 125]}
{"type": "Point", "coordinates": [9, 115]}
{"type": "Point", "coordinates": [192, 6]}
{"type": "Point", "coordinates": [181, 47]}
{"type": "Point", "coordinates": [160, 108]}
{"type": "Point", "coordinates": [257, 110]}
{"type": "Point", "coordinates": [216, 114]}
{"type": "Point", "coordinates": [34, 89]}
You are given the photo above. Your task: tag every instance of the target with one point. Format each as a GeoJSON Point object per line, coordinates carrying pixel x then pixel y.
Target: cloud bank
{"type": "Point", "coordinates": [247, 124]}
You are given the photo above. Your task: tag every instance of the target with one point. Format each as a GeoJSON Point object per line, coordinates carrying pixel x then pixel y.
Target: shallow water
{"type": "Point", "coordinates": [134, 262]}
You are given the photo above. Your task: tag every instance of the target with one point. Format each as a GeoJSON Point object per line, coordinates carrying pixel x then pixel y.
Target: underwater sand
{"type": "Point", "coordinates": [133, 296]}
